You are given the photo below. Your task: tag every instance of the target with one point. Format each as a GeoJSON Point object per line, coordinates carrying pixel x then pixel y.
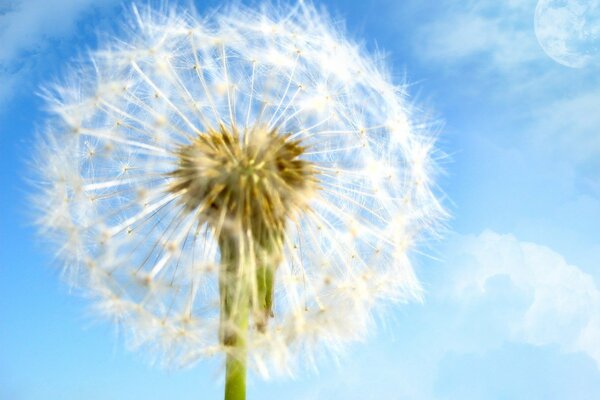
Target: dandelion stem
{"type": "Point", "coordinates": [235, 380]}
{"type": "Point", "coordinates": [235, 304]}
{"type": "Point", "coordinates": [239, 260]}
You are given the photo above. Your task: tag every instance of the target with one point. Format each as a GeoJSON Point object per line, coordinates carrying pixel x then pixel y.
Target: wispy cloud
{"type": "Point", "coordinates": [498, 34]}
{"type": "Point", "coordinates": [495, 43]}
{"type": "Point", "coordinates": [27, 28]}
{"type": "Point", "coordinates": [570, 126]}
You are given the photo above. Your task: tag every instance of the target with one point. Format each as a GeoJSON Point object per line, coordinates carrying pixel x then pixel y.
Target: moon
{"type": "Point", "coordinates": [569, 31]}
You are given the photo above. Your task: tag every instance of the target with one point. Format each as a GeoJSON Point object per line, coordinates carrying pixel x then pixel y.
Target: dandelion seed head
{"type": "Point", "coordinates": [254, 155]}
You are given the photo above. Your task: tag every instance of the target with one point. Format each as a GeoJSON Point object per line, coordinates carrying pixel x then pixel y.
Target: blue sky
{"type": "Point", "coordinates": [512, 309]}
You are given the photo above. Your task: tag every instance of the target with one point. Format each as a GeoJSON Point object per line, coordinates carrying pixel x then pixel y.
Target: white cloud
{"type": "Point", "coordinates": [28, 22]}
{"type": "Point", "coordinates": [489, 50]}
{"type": "Point", "coordinates": [26, 29]}
{"type": "Point", "coordinates": [564, 302]}
{"type": "Point", "coordinates": [497, 33]}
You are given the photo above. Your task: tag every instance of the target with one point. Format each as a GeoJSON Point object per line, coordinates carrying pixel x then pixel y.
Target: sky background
{"type": "Point", "coordinates": [512, 306]}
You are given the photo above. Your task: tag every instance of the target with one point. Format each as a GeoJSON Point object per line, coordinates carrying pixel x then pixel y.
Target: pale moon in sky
{"type": "Point", "coordinates": [569, 31]}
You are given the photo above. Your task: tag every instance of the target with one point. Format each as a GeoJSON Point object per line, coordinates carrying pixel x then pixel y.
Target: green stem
{"type": "Point", "coordinates": [235, 380]}
{"type": "Point", "coordinates": [236, 301]}
{"type": "Point", "coordinates": [235, 368]}
{"type": "Point", "coordinates": [235, 305]}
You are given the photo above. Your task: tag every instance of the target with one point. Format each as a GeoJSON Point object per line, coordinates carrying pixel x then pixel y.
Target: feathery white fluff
{"type": "Point", "coordinates": [150, 263]}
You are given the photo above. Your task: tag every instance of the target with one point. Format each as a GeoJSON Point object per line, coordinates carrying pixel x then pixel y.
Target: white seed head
{"type": "Point", "coordinates": [266, 134]}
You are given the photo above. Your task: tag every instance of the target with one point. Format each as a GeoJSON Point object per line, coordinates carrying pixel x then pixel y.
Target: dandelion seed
{"type": "Point", "coordinates": [247, 184]}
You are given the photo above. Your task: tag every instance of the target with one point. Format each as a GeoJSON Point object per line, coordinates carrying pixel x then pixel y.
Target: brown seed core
{"type": "Point", "coordinates": [253, 183]}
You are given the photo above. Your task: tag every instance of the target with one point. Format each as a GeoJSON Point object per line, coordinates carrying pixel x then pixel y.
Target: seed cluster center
{"type": "Point", "coordinates": [237, 183]}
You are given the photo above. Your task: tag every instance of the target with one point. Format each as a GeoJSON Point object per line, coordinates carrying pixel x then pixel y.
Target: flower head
{"type": "Point", "coordinates": [249, 176]}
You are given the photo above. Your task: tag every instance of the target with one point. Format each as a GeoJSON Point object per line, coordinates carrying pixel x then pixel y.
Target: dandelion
{"type": "Point", "coordinates": [246, 184]}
